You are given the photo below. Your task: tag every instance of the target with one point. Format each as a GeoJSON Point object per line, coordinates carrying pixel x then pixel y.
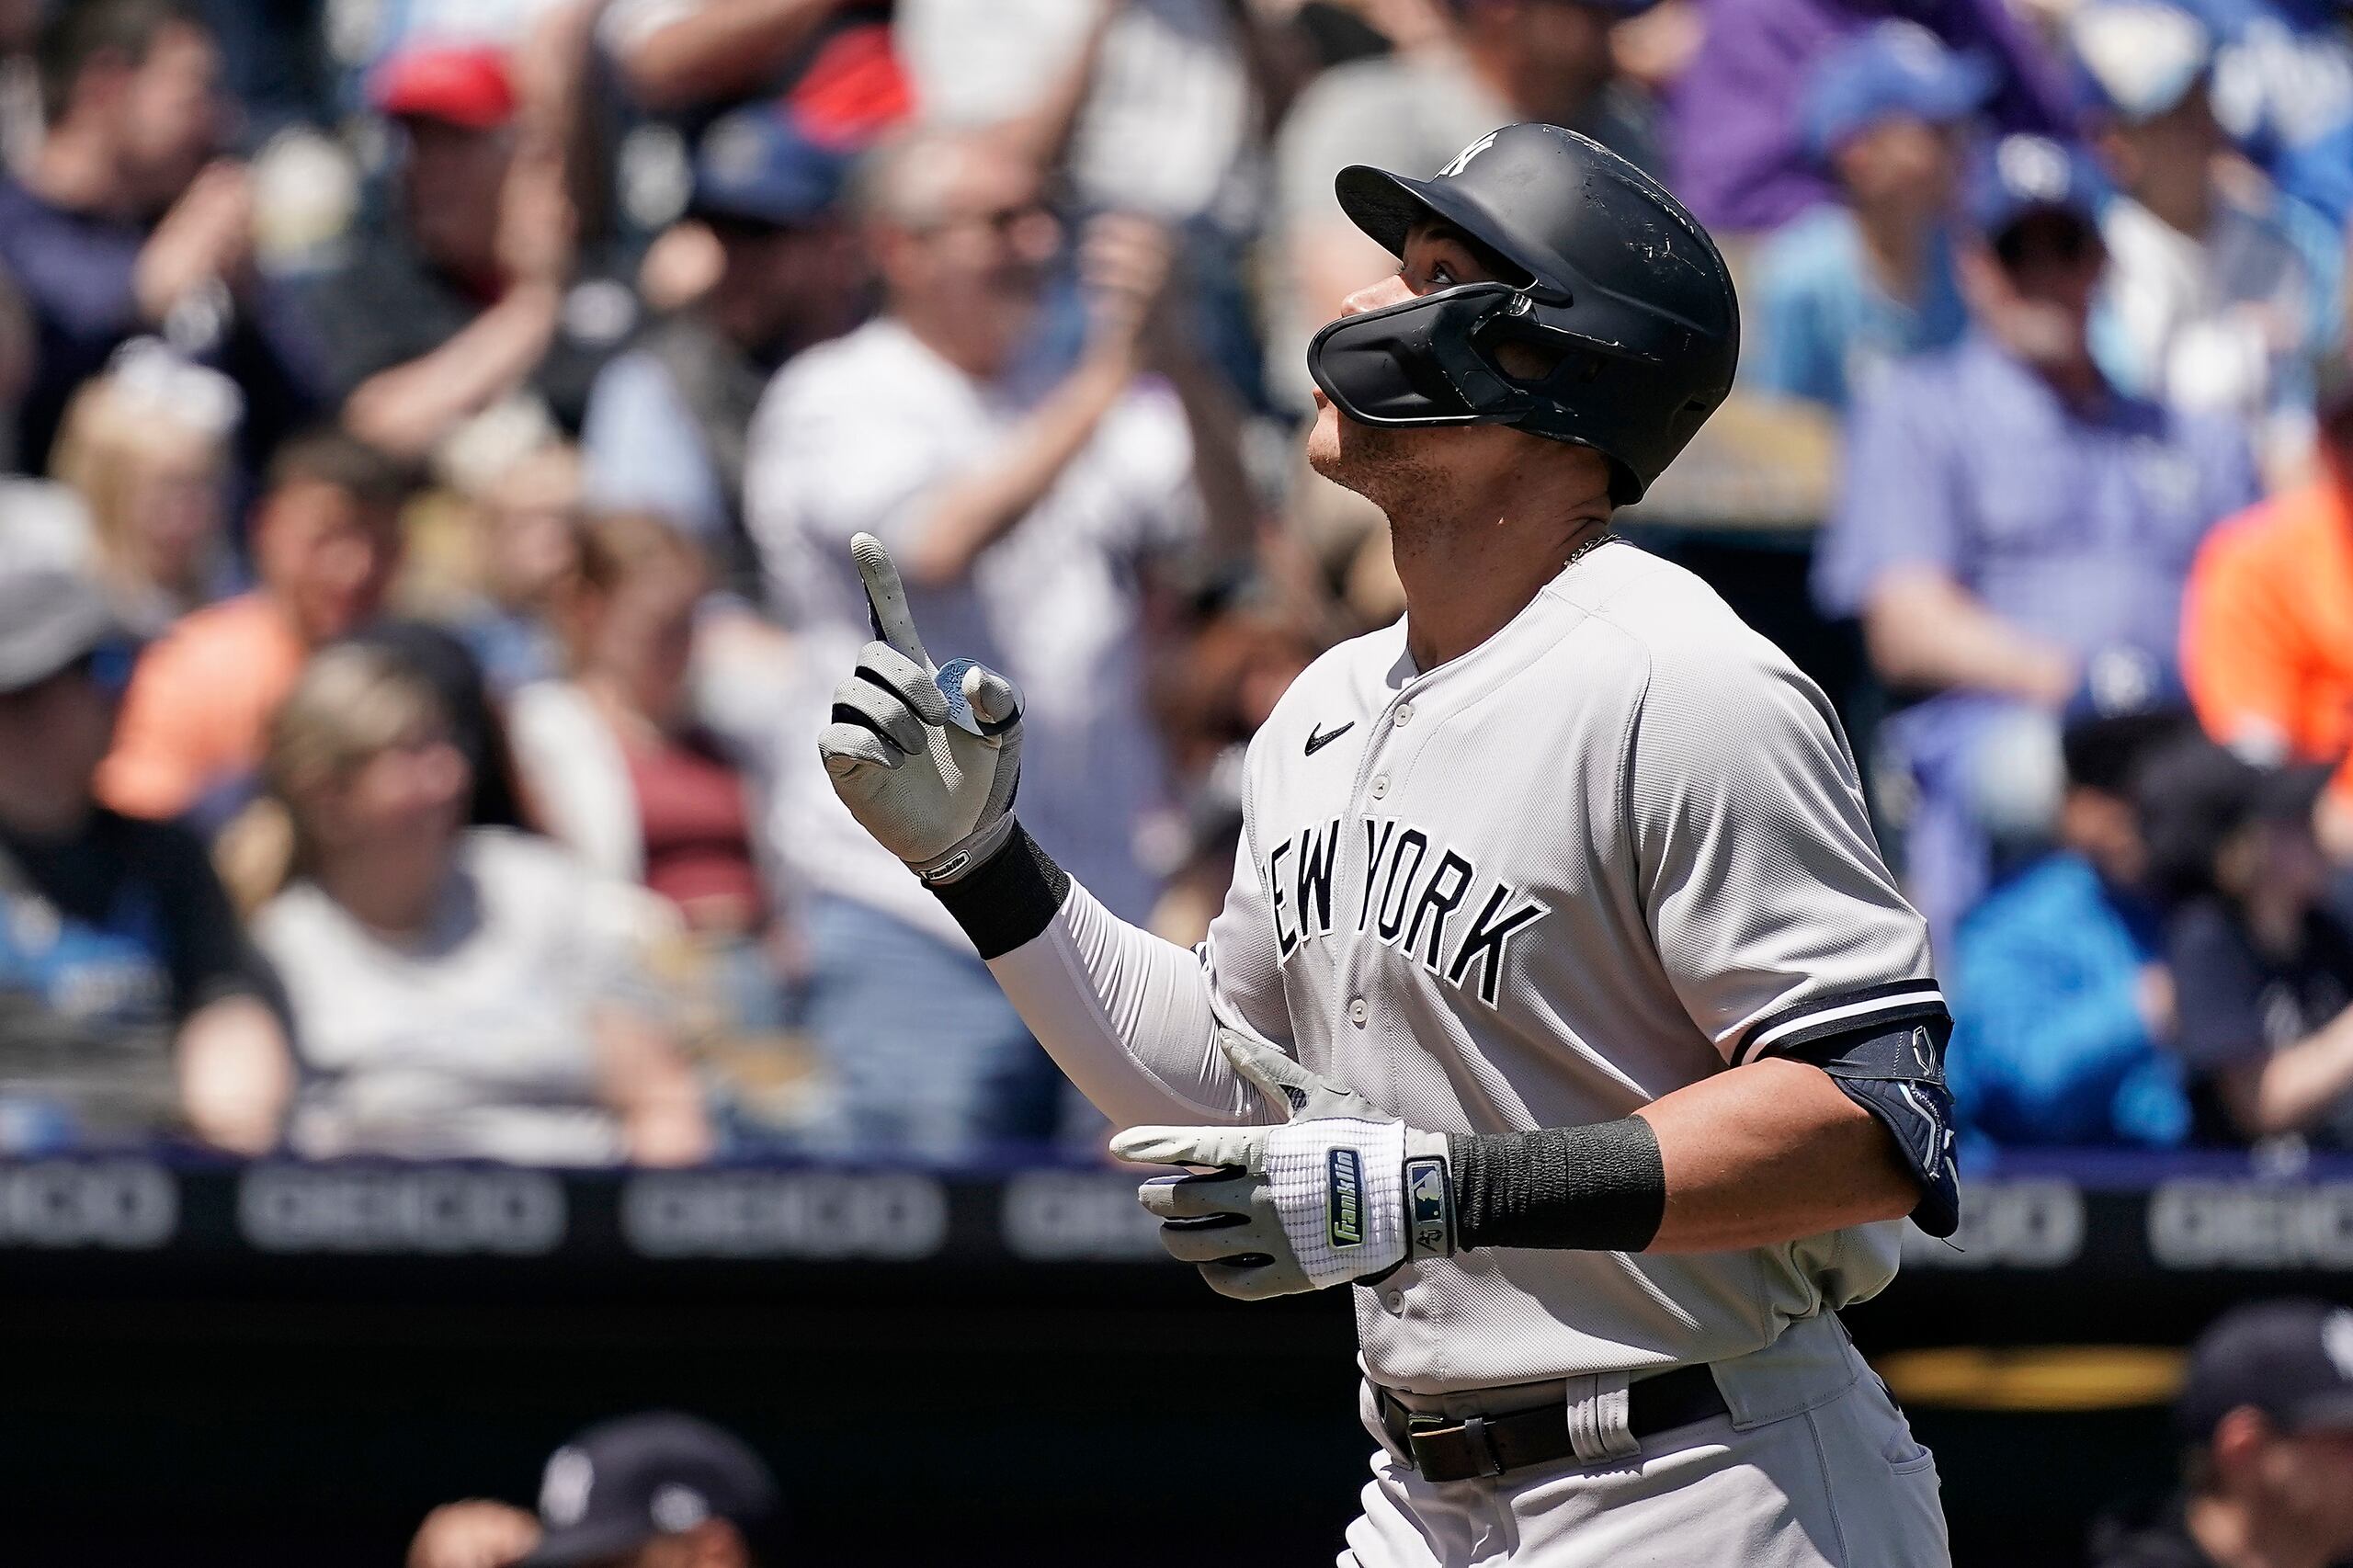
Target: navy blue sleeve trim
{"type": "Point", "coordinates": [1864, 1008]}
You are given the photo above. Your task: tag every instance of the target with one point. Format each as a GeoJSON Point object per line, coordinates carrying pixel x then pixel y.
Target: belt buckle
{"type": "Point", "coordinates": [1471, 1428]}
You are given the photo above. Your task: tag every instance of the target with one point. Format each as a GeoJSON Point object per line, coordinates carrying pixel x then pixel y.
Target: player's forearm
{"type": "Point", "coordinates": [1769, 1152]}
{"type": "Point", "coordinates": [976, 510]}
{"type": "Point", "coordinates": [1923, 630]}
{"type": "Point", "coordinates": [1125, 1015]}
{"type": "Point", "coordinates": [1755, 1157]}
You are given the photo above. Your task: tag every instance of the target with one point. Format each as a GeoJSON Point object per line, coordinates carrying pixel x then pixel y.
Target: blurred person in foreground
{"type": "Point", "coordinates": [325, 539]}
{"type": "Point", "coordinates": [131, 1004]}
{"type": "Point", "coordinates": [1029, 510]}
{"type": "Point", "coordinates": [2267, 638]}
{"type": "Point", "coordinates": [1735, 115]}
{"type": "Point", "coordinates": [2219, 295]}
{"type": "Point", "coordinates": [455, 994]}
{"type": "Point", "coordinates": [1848, 288]}
{"type": "Point", "coordinates": [2013, 532]}
{"type": "Point", "coordinates": [469, 294]}
{"type": "Point", "coordinates": [619, 765]}
{"type": "Point", "coordinates": [667, 421]}
{"type": "Point", "coordinates": [146, 447]}
{"type": "Point", "coordinates": [1489, 62]}
{"type": "Point", "coordinates": [2265, 1417]}
{"type": "Point", "coordinates": [126, 223]}
{"type": "Point", "coordinates": [2061, 998]}
{"type": "Point", "coordinates": [659, 1490]}
{"type": "Point", "coordinates": [2262, 965]}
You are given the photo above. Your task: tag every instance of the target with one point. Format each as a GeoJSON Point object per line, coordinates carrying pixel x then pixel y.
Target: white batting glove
{"type": "Point", "coordinates": [925, 758]}
{"type": "Point", "coordinates": [1339, 1193]}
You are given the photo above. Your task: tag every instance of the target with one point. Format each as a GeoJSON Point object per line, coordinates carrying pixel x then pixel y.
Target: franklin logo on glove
{"type": "Point", "coordinates": [1347, 1182]}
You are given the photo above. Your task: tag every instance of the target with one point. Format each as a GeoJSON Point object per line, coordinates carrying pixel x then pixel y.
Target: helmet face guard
{"type": "Point", "coordinates": [1413, 363]}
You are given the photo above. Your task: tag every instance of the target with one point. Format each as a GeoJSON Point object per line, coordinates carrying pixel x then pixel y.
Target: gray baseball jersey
{"type": "Point", "coordinates": [1618, 846]}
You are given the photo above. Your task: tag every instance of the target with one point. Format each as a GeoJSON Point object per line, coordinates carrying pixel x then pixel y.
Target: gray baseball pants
{"type": "Point", "coordinates": [1813, 1468]}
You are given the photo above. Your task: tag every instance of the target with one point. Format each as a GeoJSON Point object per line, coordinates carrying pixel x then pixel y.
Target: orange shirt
{"type": "Point", "coordinates": [199, 707]}
{"type": "Point", "coordinates": [2267, 633]}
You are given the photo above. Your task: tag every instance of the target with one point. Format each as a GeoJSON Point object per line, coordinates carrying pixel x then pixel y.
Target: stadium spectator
{"type": "Point", "coordinates": [832, 60]}
{"type": "Point", "coordinates": [146, 446]}
{"type": "Point", "coordinates": [667, 421]}
{"type": "Point", "coordinates": [1848, 287]}
{"type": "Point", "coordinates": [2262, 967]}
{"type": "Point", "coordinates": [613, 757]}
{"type": "Point", "coordinates": [466, 297]}
{"type": "Point", "coordinates": [455, 994]}
{"type": "Point", "coordinates": [326, 538]}
{"type": "Point", "coordinates": [2062, 999]}
{"type": "Point", "coordinates": [2266, 639]}
{"type": "Point", "coordinates": [1740, 158]}
{"type": "Point", "coordinates": [1493, 62]}
{"type": "Point", "coordinates": [125, 223]}
{"type": "Point", "coordinates": [2265, 1418]}
{"type": "Point", "coordinates": [2013, 531]}
{"type": "Point", "coordinates": [130, 1005]}
{"type": "Point", "coordinates": [528, 521]}
{"type": "Point", "coordinates": [654, 1491]}
{"type": "Point", "coordinates": [2283, 90]}
{"type": "Point", "coordinates": [2216, 298]}
{"type": "Point", "coordinates": [1000, 493]}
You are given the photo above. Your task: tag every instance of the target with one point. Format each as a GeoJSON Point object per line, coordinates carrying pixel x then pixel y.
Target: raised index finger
{"type": "Point", "coordinates": [886, 598]}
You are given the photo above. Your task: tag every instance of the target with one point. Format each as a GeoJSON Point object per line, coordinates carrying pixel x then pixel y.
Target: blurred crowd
{"type": "Point", "coordinates": [430, 434]}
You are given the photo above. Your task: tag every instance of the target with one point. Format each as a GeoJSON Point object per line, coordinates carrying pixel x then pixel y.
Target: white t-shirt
{"type": "Point", "coordinates": [477, 1040]}
{"type": "Point", "coordinates": [851, 436]}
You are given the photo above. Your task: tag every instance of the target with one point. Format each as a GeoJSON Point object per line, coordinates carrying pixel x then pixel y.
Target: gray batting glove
{"type": "Point", "coordinates": [1339, 1193]}
{"type": "Point", "coordinates": [924, 757]}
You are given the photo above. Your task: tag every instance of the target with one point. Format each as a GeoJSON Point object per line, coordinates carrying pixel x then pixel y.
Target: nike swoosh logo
{"type": "Point", "coordinates": [1317, 739]}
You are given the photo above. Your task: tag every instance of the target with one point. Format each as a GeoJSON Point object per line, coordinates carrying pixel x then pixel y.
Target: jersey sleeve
{"type": "Point", "coordinates": [1777, 922]}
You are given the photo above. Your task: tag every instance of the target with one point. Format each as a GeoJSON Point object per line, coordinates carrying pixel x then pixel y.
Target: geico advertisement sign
{"type": "Point", "coordinates": [433, 1209]}
{"type": "Point", "coordinates": [127, 1205]}
{"type": "Point", "coordinates": [2005, 1224]}
{"type": "Point", "coordinates": [1068, 1216]}
{"type": "Point", "coordinates": [891, 1215]}
{"type": "Point", "coordinates": [2212, 1224]}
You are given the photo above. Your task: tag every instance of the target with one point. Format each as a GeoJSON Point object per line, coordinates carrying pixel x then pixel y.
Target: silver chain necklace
{"type": "Point", "coordinates": [1588, 546]}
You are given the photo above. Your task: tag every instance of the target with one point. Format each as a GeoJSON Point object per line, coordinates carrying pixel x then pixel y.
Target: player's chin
{"type": "Point", "coordinates": [1328, 442]}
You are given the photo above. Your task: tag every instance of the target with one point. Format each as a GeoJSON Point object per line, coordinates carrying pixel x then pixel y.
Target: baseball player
{"type": "Point", "coordinates": [1561, 1003]}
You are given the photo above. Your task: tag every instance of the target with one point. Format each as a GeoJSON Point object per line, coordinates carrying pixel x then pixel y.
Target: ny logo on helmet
{"type": "Point", "coordinates": [1462, 159]}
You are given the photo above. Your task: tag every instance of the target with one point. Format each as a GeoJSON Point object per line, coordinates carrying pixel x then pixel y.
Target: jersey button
{"type": "Point", "coordinates": [1395, 1301]}
{"type": "Point", "coordinates": [1381, 786]}
{"type": "Point", "coordinates": [1357, 1011]}
{"type": "Point", "coordinates": [1404, 716]}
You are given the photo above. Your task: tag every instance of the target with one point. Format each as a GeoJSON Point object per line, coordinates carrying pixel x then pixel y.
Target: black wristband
{"type": "Point", "coordinates": [1008, 898]}
{"type": "Point", "coordinates": [1595, 1188]}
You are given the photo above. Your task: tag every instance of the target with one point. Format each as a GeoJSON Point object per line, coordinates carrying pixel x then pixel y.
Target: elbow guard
{"type": "Point", "coordinates": [1898, 1075]}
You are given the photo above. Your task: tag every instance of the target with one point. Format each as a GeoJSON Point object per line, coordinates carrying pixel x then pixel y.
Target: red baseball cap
{"type": "Point", "coordinates": [460, 84]}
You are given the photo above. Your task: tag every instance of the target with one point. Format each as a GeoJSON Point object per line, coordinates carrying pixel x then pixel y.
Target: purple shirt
{"type": "Point", "coordinates": [2075, 525]}
{"type": "Point", "coordinates": [1739, 160]}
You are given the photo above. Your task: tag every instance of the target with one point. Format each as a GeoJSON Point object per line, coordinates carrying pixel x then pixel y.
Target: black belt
{"type": "Point", "coordinates": [1444, 1449]}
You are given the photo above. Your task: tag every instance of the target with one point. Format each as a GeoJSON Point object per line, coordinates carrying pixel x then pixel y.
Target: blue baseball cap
{"type": "Point", "coordinates": [2018, 174]}
{"type": "Point", "coordinates": [1891, 70]}
{"type": "Point", "coordinates": [2136, 59]}
{"type": "Point", "coordinates": [755, 166]}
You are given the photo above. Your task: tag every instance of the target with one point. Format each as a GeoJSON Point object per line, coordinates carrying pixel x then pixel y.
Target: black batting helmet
{"type": "Point", "coordinates": [1626, 303]}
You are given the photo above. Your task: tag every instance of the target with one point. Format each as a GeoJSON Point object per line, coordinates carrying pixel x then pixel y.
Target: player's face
{"type": "Point", "coordinates": [1388, 465]}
